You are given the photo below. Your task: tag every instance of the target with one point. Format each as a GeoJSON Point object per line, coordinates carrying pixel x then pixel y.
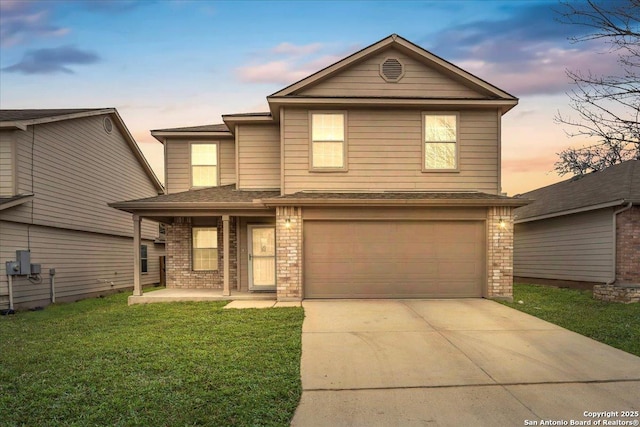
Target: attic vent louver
{"type": "Point", "coordinates": [108, 125]}
{"type": "Point", "coordinates": [392, 69]}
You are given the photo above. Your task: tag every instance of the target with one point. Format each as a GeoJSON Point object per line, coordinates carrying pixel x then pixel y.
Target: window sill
{"type": "Point", "coordinates": [328, 170]}
{"type": "Point", "coordinates": [206, 186]}
{"type": "Point", "coordinates": [440, 170]}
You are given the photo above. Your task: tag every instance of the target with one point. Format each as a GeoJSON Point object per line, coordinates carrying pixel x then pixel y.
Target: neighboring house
{"type": "Point", "coordinates": [58, 171]}
{"type": "Point", "coordinates": [376, 177]}
{"type": "Point", "coordinates": [585, 229]}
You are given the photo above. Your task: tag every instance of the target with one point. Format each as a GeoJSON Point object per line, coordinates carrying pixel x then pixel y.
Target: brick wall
{"type": "Point", "coordinates": [289, 253]}
{"type": "Point", "coordinates": [612, 293]}
{"type": "Point", "coordinates": [628, 246]}
{"type": "Point", "coordinates": [500, 253]}
{"type": "Point", "coordinates": [178, 251]}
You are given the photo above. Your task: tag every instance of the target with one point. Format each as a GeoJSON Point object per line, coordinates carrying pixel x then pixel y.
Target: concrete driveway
{"type": "Point", "coordinates": [454, 362]}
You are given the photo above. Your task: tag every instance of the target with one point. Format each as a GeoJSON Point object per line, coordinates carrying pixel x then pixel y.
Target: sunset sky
{"type": "Point", "coordinates": [185, 63]}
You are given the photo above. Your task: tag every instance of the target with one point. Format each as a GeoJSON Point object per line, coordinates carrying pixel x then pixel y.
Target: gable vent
{"type": "Point", "coordinates": [392, 69]}
{"type": "Point", "coordinates": [107, 124]}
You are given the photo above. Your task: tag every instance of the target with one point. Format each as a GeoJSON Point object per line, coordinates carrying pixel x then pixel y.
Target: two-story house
{"type": "Point", "coordinates": [376, 177]}
{"type": "Point", "coordinates": [58, 171]}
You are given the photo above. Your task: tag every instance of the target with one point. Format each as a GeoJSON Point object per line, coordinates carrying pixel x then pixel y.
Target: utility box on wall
{"type": "Point", "coordinates": [24, 260]}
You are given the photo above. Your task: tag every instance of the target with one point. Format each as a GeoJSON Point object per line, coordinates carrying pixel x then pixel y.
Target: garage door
{"type": "Point", "coordinates": [381, 259]}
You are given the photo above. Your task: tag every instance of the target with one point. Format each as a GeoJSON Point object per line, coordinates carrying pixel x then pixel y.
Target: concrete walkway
{"type": "Point", "coordinates": [452, 363]}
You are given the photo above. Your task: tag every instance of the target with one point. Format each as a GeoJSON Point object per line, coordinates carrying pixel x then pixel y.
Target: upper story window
{"type": "Point", "coordinates": [328, 141]}
{"type": "Point", "coordinates": [204, 165]}
{"type": "Point", "coordinates": [440, 141]}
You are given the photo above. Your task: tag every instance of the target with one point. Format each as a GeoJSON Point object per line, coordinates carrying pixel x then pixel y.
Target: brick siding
{"type": "Point", "coordinates": [179, 264]}
{"type": "Point", "coordinates": [628, 246]}
{"type": "Point", "coordinates": [289, 253]}
{"type": "Point", "coordinates": [614, 293]}
{"type": "Point", "coordinates": [500, 253]}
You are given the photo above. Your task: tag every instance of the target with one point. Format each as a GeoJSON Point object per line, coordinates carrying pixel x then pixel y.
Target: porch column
{"type": "Point", "coordinates": [226, 291]}
{"type": "Point", "coordinates": [137, 277]}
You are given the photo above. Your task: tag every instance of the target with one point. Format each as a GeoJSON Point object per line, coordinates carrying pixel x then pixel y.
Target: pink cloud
{"type": "Point", "coordinates": [296, 63]}
{"type": "Point", "coordinates": [287, 48]}
{"type": "Point", "coordinates": [281, 72]}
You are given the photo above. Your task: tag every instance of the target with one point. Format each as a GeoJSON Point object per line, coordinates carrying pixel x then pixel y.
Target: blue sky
{"type": "Point", "coordinates": [182, 63]}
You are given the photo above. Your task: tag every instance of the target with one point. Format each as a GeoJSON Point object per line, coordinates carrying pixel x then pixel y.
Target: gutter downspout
{"type": "Point", "coordinates": [615, 243]}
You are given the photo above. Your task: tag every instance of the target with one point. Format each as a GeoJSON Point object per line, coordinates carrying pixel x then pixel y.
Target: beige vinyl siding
{"type": "Point", "coordinates": [178, 166]}
{"type": "Point", "coordinates": [85, 263]}
{"type": "Point", "coordinates": [227, 159]}
{"type": "Point", "coordinates": [258, 156]}
{"type": "Point", "coordinates": [77, 170]}
{"type": "Point", "coordinates": [385, 153]}
{"type": "Point", "coordinates": [7, 164]}
{"type": "Point", "coordinates": [364, 80]}
{"type": "Point", "coordinates": [573, 247]}
{"type": "Point", "coordinates": [179, 163]}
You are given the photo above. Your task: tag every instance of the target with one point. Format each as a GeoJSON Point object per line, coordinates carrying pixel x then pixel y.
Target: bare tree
{"type": "Point", "coordinates": [607, 107]}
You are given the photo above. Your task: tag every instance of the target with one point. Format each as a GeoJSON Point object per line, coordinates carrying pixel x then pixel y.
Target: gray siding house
{"type": "Point", "coordinates": [584, 229]}
{"type": "Point", "coordinates": [58, 171]}
{"type": "Point", "coordinates": [376, 177]}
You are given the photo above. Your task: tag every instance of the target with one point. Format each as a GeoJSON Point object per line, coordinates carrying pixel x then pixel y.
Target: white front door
{"type": "Point", "coordinates": [262, 257]}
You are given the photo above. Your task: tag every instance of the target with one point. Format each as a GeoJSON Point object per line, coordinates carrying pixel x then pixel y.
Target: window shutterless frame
{"type": "Point", "coordinates": [144, 259]}
{"type": "Point", "coordinates": [201, 249]}
{"type": "Point", "coordinates": [217, 163]}
{"type": "Point", "coordinates": [425, 141]}
{"type": "Point", "coordinates": [345, 144]}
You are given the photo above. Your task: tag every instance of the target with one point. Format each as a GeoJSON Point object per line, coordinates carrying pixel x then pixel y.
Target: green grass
{"type": "Point", "coordinates": [615, 324]}
{"type": "Point", "coordinates": [100, 362]}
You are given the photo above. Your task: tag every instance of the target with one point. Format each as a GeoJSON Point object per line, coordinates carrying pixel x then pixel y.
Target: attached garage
{"type": "Point", "coordinates": [394, 259]}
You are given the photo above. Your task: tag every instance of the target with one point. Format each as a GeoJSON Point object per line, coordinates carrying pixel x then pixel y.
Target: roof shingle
{"type": "Point", "coordinates": [619, 182]}
{"type": "Point", "coordinates": [204, 128]}
{"type": "Point", "coordinates": [18, 115]}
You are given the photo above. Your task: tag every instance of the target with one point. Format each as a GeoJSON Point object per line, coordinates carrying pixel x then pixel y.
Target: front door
{"type": "Point", "coordinates": [262, 257]}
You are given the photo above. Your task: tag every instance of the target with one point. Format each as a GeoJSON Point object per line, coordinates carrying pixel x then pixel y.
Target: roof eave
{"type": "Point", "coordinates": [161, 135]}
{"type": "Point", "coordinates": [12, 125]}
{"type": "Point", "coordinates": [16, 202]}
{"type": "Point", "coordinates": [504, 104]}
{"type": "Point", "coordinates": [138, 206]}
{"type": "Point", "coordinates": [574, 211]}
{"type": "Point", "coordinates": [61, 117]}
{"type": "Point", "coordinates": [395, 202]}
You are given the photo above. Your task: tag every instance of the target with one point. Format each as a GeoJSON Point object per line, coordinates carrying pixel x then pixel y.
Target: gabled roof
{"type": "Point", "coordinates": [21, 119]}
{"type": "Point", "coordinates": [406, 46]}
{"type": "Point", "coordinates": [613, 186]}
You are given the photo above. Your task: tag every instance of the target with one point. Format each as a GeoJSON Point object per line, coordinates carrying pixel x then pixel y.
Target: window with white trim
{"type": "Point", "coordinates": [205, 248]}
{"type": "Point", "coordinates": [327, 141]}
{"type": "Point", "coordinates": [440, 141]}
{"type": "Point", "coordinates": [204, 165]}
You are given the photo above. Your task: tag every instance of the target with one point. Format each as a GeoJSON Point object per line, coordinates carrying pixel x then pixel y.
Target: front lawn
{"type": "Point", "coordinates": [615, 324]}
{"type": "Point", "coordinates": [100, 362]}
